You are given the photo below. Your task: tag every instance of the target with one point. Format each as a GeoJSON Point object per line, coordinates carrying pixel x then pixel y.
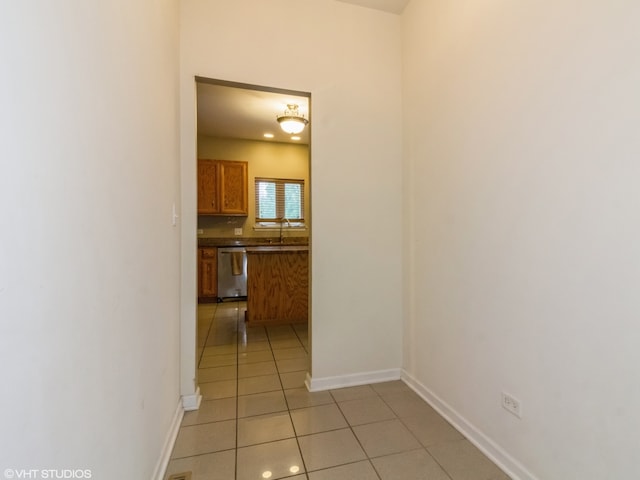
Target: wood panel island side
{"type": "Point", "coordinates": [277, 284]}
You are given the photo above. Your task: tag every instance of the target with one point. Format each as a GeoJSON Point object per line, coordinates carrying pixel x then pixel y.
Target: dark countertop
{"type": "Point", "coordinates": [251, 241]}
{"type": "Point", "coordinates": [277, 248]}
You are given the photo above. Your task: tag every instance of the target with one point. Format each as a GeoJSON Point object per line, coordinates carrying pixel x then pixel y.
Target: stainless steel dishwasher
{"type": "Point", "coordinates": [232, 272]}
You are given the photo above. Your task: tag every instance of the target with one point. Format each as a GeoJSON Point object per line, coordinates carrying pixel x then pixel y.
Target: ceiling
{"type": "Point", "coordinates": [234, 112]}
{"type": "Point", "coordinates": [391, 6]}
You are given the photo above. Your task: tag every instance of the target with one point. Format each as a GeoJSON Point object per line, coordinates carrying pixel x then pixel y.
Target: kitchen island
{"type": "Point", "coordinates": [277, 284]}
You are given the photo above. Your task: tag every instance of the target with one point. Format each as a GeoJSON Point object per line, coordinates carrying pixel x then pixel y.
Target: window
{"type": "Point", "coordinates": [278, 199]}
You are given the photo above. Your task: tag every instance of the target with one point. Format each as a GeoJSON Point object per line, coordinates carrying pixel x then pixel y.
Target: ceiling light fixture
{"type": "Point", "coordinates": [292, 121]}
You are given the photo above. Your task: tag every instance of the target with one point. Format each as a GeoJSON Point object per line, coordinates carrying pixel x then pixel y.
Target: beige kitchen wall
{"type": "Point", "coordinates": [266, 159]}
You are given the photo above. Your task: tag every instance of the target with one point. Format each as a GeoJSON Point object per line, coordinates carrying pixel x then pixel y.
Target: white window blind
{"type": "Point", "coordinates": [278, 199]}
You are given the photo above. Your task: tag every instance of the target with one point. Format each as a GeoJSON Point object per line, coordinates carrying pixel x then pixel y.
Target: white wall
{"type": "Point", "coordinates": [89, 268]}
{"type": "Point", "coordinates": [348, 58]}
{"type": "Point", "coordinates": [521, 133]}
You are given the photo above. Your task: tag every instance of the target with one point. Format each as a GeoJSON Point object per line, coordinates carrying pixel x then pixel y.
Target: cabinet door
{"type": "Point", "coordinates": [208, 272]}
{"type": "Point", "coordinates": [233, 188]}
{"type": "Point", "coordinates": [208, 189]}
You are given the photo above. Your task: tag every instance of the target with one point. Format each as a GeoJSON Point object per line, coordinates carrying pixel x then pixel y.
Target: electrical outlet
{"type": "Point", "coordinates": [511, 405]}
{"type": "Point", "coordinates": [237, 231]}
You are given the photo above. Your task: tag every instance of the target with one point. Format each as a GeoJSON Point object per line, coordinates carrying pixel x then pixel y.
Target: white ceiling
{"type": "Point", "coordinates": [232, 112]}
{"type": "Point", "coordinates": [391, 6]}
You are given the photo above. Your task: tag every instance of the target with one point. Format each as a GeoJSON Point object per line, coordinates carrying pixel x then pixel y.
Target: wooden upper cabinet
{"type": "Point", "coordinates": [222, 188]}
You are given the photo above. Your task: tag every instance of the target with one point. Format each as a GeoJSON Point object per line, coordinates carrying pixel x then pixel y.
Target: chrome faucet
{"type": "Point", "coordinates": [282, 220]}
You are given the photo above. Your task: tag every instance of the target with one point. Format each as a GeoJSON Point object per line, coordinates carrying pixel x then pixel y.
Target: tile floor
{"type": "Point", "coordinates": [258, 421]}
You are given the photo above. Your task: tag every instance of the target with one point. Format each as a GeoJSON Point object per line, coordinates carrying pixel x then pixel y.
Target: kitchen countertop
{"type": "Point", "coordinates": [277, 248]}
{"type": "Point", "coordinates": [252, 242]}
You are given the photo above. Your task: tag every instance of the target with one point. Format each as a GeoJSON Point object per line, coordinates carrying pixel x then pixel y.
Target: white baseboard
{"type": "Point", "coordinates": [192, 402]}
{"type": "Point", "coordinates": [506, 462]}
{"type": "Point", "coordinates": [170, 440]}
{"type": "Point", "coordinates": [351, 380]}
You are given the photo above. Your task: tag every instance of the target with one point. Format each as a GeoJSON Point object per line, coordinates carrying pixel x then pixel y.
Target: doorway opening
{"type": "Point", "coordinates": [241, 151]}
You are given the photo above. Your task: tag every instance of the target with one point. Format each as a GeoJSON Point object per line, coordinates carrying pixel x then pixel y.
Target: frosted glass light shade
{"type": "Point", "coordinates": [292, 122]}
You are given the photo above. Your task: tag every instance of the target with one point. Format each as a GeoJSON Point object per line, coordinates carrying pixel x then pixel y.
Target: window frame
{"type": "Point", "coordinates": [280, 203]}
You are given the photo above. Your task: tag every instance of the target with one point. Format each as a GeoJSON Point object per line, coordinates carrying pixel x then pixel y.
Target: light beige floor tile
{"type": "Point", "coordinates": [293, 379]}
{"type": "Point", "coordinates": [261, 403]}
{"type": "Point", "coordinates": [255, 357]}
{"type": "Point", "coordinates": [301, 398]}
{"type": "Point", "coordinates": [221, 350]}
{"type": "Point", "coordinates": [431, 428]}
{"type": "Point", "coordinates": [211, 411]}
{"type": "Point", "coordinates": [205, 438]}
{"type": "Point", "coordinates": [385, 438]}
{"type": "Point", "coordinates": [212, 466]}
{"type": "Point", "coordinates": [263, 383]}
{"type": "Point", "coordinates": [353, 393]}
{"type": "Point", "coordinates": [366, 410]}
{"type": "Point", "coordinates": [408, 404]}
{"type": "Point", "coordinates": [330, 449]}
{"type": "Point", "coordinates": [221, 338]}
{"type": "Point", "coordinates": [292, 365]}
{"type": "Point", "coordinates": [413, 465]}
{"type": "Point", "coordinates": [221, 389]}
{"type": "Point", "coordinates": [386, 388]}
{"type": "Point", "coordinates": [288, 353]}
{"type": "Point", "coordinates": [257, 369]}
{"type": "Point", "coordinates": [264, 428]}
{"type": "Point", "coordinates": [463, 461]}
{"type": "Point", "coordinates": [254, 346]}
{"type": "Point", "coordinates": [352, 471]}
{"type": "Point", "coordinates": [218, 360]}
{"type": "Point", "coordinates": [215, 374]}
{"type": "Point", "coordinates": [285, 343]}
{"type": "Point", "coordinates": [318, 419]}
{"type": "Point", "coordinates": [280, 459]}
{"type": "Point", "coordinates": [281, 331]}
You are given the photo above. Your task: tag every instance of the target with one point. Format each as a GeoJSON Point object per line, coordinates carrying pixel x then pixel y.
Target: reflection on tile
{"type": "Point", "coordinates": [385, 438]}
{"type": "Point", "coordinates": [254, 357]}
{"type": "Point", "coordinates": [352, 471]}
{"type": "Point", "coordinates": [301, 398]}
{"type": "Point", "coordinates": [264, 428]}
{"type": "Point", "coordinates": [329, 449]}
{"type": "Point", "coordinates": [269, 460]}
{"type": "Point", "coordinates": [205, 438]}
{"type": "Point", "coordinates": [413, 465]}
{"type": "Point", "coordinates": [222, 389]}
{"type": "Point", "coordinates": [463, 461]}
{"type": "Point", "coordinates": [353, 393]}
{"type": "Point", "coordinates": [318, 419]}
{"type": "Point", "coordinates": [366, 410]}
{"type": "Point", "coordinates": [211, 411]}
{"type": "Point", "coordinates": [261, 403]}
{"type": "Point", "coordinates": [212, 466]}
{"type": "Point", "coordinates": [263, 383]}
{"type": "Point", "coordinates": [254, 346]}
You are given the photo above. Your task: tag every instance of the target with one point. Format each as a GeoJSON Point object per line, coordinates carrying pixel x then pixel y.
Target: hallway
{"type": "Point", "coordinates": [258, 421]}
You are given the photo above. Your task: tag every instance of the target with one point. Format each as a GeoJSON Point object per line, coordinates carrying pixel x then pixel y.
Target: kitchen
{"type": "Point", "coordinates": [242, 150]}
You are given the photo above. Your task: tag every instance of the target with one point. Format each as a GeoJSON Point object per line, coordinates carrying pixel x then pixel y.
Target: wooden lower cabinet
{"type": "Point", "coordinates": [207, 273]}
{"type": "Point", "coordinates": [277, 285]}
